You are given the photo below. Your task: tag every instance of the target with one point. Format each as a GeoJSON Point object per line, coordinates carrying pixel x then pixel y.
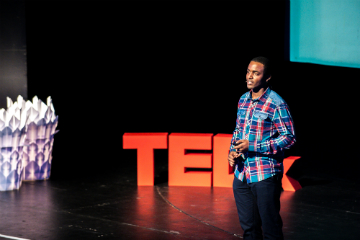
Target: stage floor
{"type": "Point", "coordinates": [111, 206]}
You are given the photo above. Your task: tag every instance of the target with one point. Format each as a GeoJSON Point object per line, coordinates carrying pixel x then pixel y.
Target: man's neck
{"type": "Point", "coordinates": [257, 93]}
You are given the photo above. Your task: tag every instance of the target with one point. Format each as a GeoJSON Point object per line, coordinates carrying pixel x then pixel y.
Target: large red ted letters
{"type": "Point", "coordinates": [215, 170]}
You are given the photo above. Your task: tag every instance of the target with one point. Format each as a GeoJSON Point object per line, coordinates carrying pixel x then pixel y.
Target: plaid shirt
{"type": "Point", "coordinates": [267, 124]}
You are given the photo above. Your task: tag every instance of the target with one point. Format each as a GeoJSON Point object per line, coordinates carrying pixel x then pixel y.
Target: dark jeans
{"type": "Point", "coordinates": [258, 205]}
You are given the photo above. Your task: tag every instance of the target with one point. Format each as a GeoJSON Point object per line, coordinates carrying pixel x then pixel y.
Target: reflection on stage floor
{"type": "Point", "coordinates": [111, 206]}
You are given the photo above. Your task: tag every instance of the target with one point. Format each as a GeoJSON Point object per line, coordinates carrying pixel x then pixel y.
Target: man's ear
{"type": "Point", "coordinates": [267, 80]}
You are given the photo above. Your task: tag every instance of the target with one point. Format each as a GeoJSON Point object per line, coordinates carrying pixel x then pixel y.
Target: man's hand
{"type": "Point", "coordinates": [231, 158]}
{"type": "Point", "coordinates": [242, 146]}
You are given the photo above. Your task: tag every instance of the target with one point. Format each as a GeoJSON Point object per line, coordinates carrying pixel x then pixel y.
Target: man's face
{"type": "Point", "coordinates": [255, 76]}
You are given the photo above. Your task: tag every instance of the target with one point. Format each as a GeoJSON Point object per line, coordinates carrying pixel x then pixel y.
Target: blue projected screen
{"type": "Point", "coordinates": [325, 32]}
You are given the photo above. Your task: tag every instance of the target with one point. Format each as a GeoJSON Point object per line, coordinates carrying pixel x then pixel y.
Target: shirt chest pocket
{"type": "Point", "coordinates": [241, 114]}
{"type": "Point", "coordinates": [261, 116]}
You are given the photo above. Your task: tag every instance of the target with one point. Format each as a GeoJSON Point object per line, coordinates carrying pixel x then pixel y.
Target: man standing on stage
{"type": "Point", "coordinates": [264, 129]}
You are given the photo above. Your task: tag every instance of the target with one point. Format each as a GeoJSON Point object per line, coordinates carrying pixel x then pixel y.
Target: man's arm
{"type": "Point", "coordinates": [286, 138]}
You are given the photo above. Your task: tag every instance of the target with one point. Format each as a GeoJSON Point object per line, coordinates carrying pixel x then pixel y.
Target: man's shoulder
{"type": "Point", "coordinates": [276, 98]}
{"type": "Point", "coordinates": [245, 95]}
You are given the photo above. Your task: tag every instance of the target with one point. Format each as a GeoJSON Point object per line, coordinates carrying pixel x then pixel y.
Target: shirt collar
{"type": "Point", "coordinates": [263, 97]}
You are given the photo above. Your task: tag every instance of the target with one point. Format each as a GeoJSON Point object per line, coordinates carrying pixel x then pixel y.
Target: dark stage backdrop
{"type": "Point", "coordinates": [175, 67]}
{"type": "Point", "coordinates": [13, 79]}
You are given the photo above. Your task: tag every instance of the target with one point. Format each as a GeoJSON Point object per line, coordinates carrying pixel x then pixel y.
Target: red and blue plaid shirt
{"type": "Point", "coordinates": [267, 124]}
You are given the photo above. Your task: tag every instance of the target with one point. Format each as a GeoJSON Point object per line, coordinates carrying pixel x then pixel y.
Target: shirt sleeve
{"type": "Point", "coordinates": [236, 132]}
{"type": "Point", "coordinates": [285, 138]}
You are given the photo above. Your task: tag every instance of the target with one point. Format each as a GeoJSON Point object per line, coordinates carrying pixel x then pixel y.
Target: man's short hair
{"type": "Point", "coordinates": [267, 65]}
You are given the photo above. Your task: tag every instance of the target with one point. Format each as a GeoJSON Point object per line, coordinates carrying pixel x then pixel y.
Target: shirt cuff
{"type": "Point", "coordinates": [263, 147]}
{"type": "Point", "coordinates": [260, 148]}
